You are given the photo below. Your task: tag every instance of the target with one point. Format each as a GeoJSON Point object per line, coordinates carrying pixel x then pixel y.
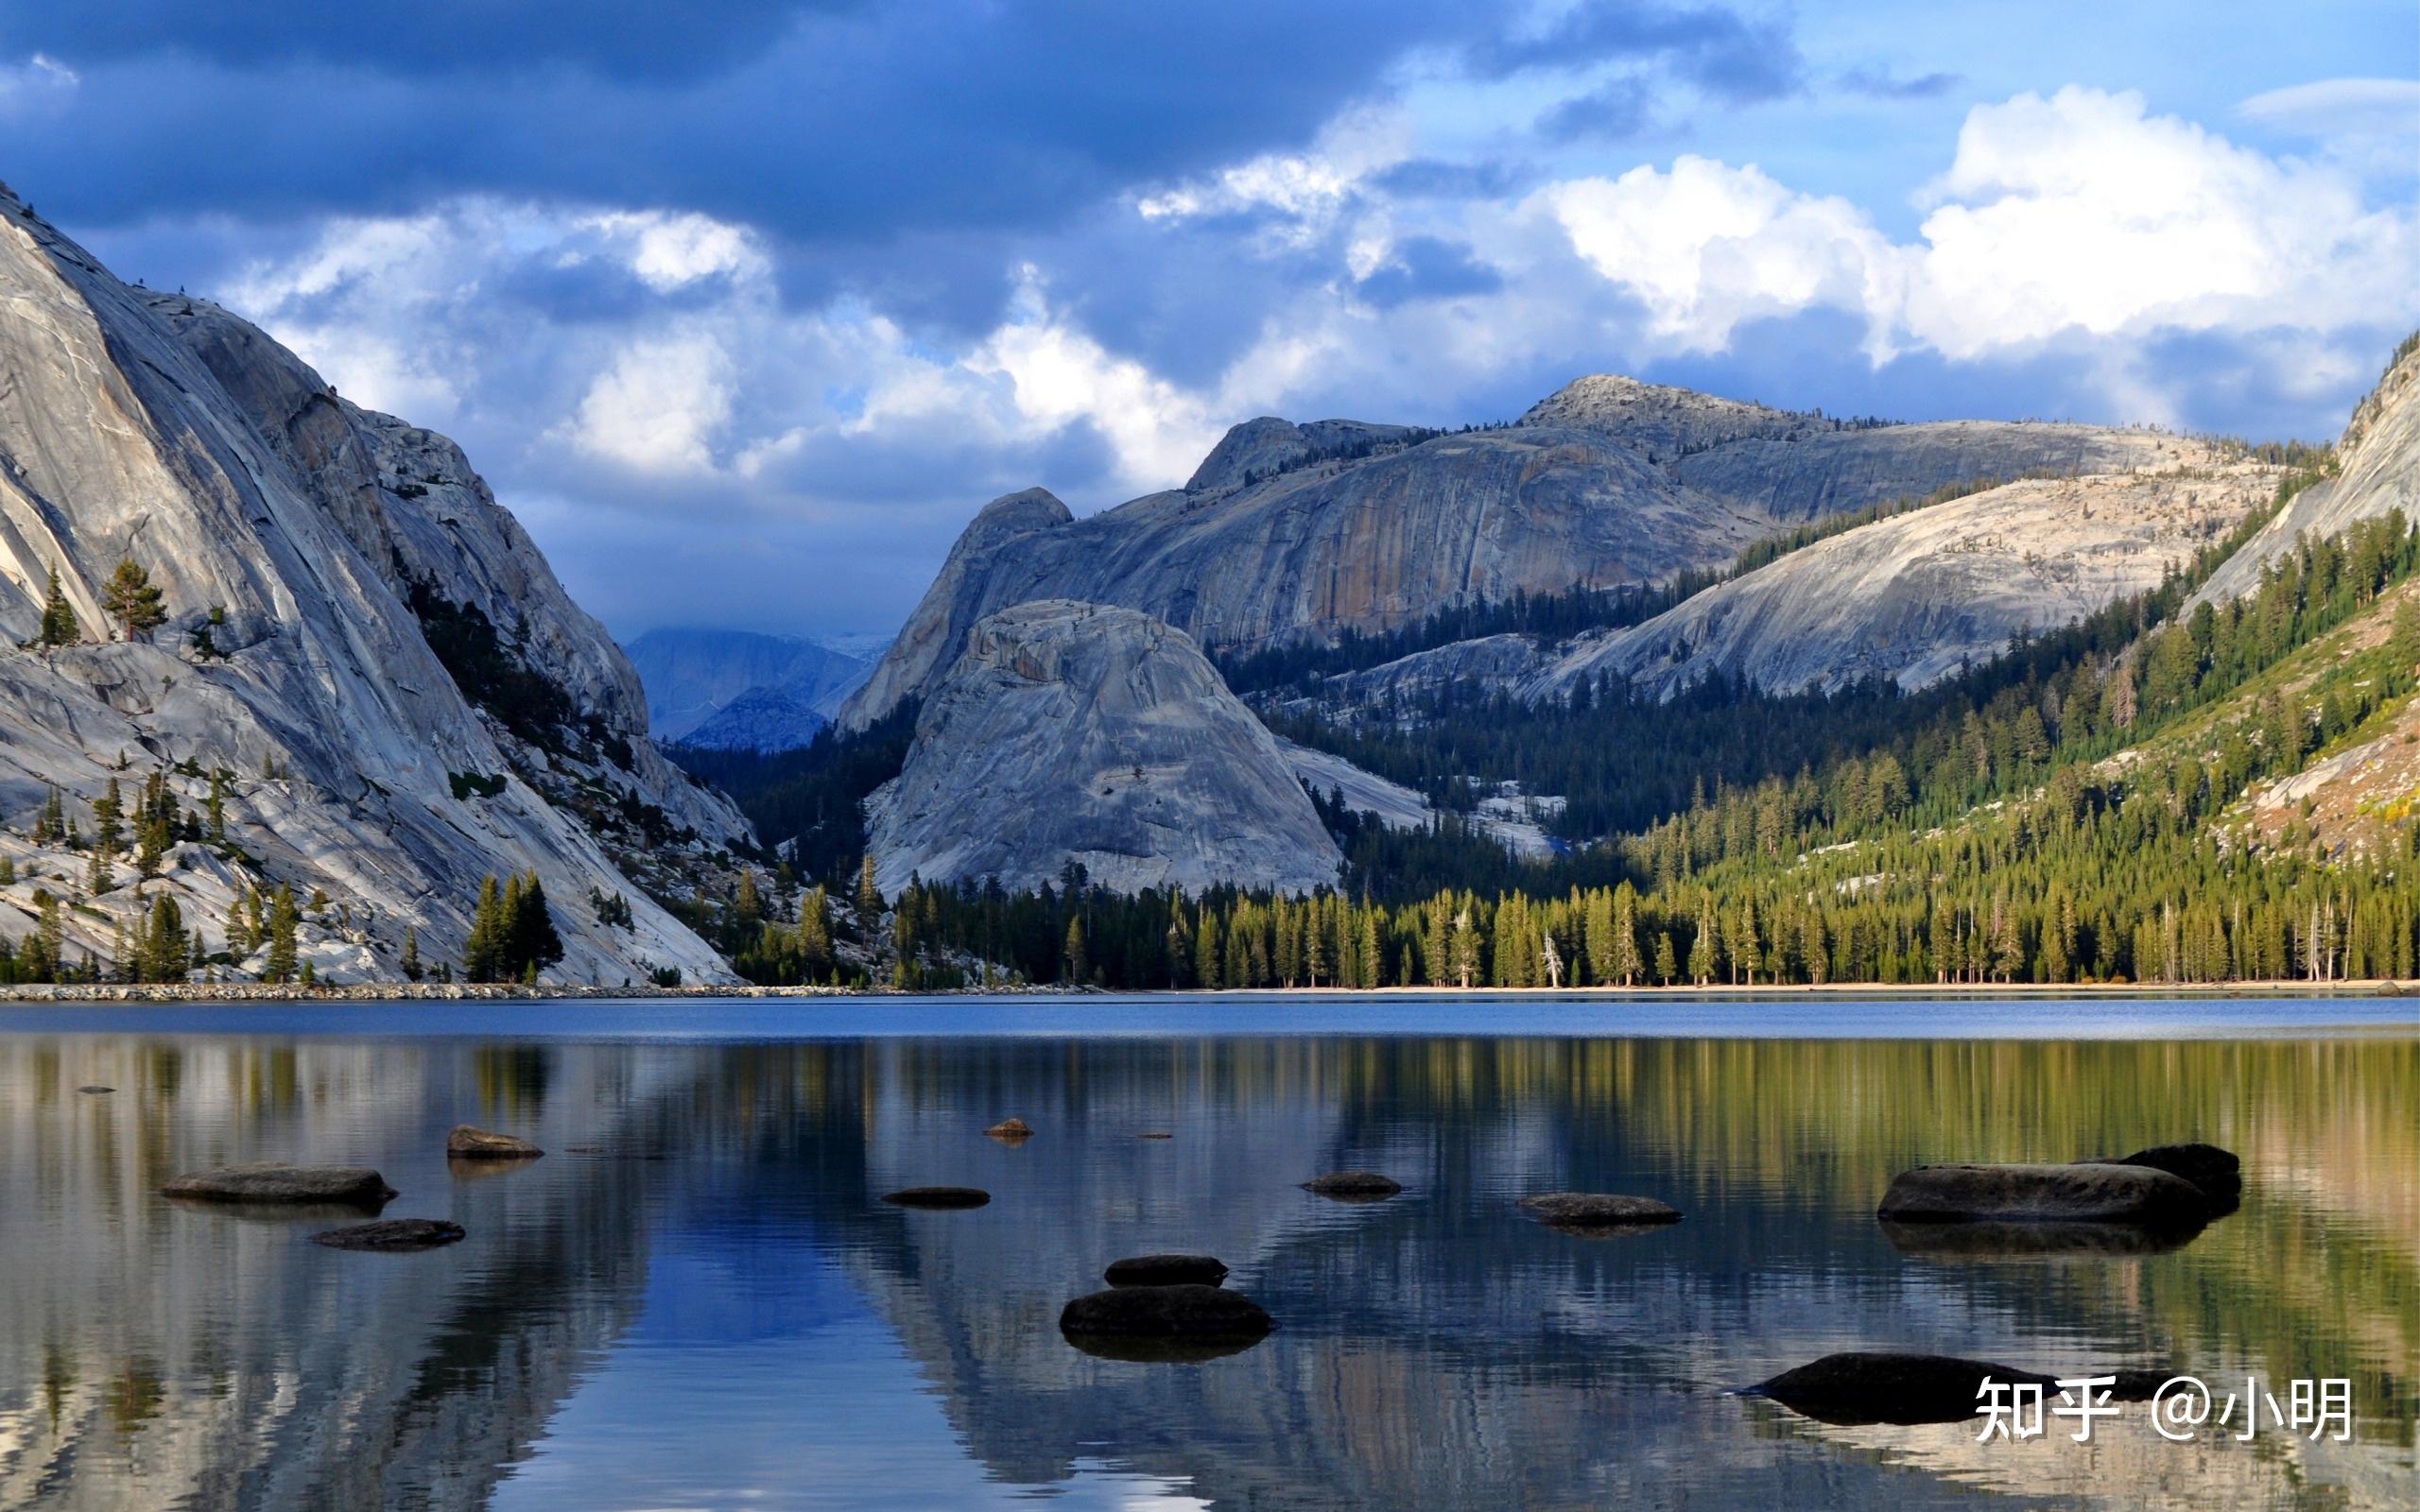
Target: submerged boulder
{"type": "Point", "coordinates": [2043, 1194]}
{"type": "Point", "coordinates": [2218, 1173]}
{"type": "Point", "coordinates": [1010, 1131]}
{"type": "Point", "coordinates": [1166, 1270]}
{"type": "Point", "coordinates": [266, 1182]}
{"type": "Point", "coordinates": [468, 1142]}
{"type": "Point", "coordinates": [1354, 1186]}
{"type": "Point", "coordinates": [938, 1197]}
{"type": "Point", "coordinates": [1600, 1209]}
{"type": "Point", "coordinates": [1187, 1310]}
{"type": "Point", "coordinates": [96, 1092]}
{"type": "Point", "coordinates": [392, 1235]}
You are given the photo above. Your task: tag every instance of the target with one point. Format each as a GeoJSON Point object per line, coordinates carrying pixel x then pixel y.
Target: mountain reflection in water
{"type": "Point", "coordinates": [696, 1298]}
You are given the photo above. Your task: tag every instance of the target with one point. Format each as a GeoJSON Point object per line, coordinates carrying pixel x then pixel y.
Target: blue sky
{"type": "Point", "coordinates": [746, 309]}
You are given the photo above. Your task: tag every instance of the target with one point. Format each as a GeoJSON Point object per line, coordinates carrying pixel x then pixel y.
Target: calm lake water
{"type": "Point", "coordinates": [696, 1301]}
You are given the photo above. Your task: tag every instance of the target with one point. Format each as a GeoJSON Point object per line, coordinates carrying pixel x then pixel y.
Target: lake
{"type": "Point", "coordinates": [696, 1299]}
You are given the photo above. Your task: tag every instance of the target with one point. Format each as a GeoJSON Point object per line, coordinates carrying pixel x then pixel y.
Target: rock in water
{"type": "Point", "coordinates": [1166, 1270]}
{"type": "Point", "coordinates": [1596, 1210]}
{"type": "Point", "coordinates": [1354, 1186]}
{"type": "Point", "coordinates": [2043, 1194]}
{"type": "Point", "coordinates": [1011, 1131]}
{"type": "Point", "coordinates": [1856, 1388]}
{"type": "Point", "coordinates": [1184, 1311]}
{"type": "Point", "coordinates": [468, 1142]}
{"type": "Point", "coordinates": [1075, 733]}
{"type": "Point", "coordinates": [2216, 1172]}
{"type": "Point", "coordinates": [938, 1197]}
{"type": "Point", "coordinates": [402, 695]}
{"type": "Point", "coordinates": [392, 1235]}
{"type": "Point", "coordinates": [268, 1183]}
{"type": "Point", "coordinates": [96, 1091]}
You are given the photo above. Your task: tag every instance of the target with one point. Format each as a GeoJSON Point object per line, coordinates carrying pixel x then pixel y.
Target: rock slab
{"type": "Point", "coordinates": [2046, 1194]}
{"type": "Point", "coordinates": [1600, 1209]}
{"type": "Point", "coordinates": [269, 1183]}
{"type": "Point", "coordinates": [468, 1142]}
{"type": "Point", "coordinates": [1166, 1270]}
{"type": "Point", "coordinates": [1363, 1184]}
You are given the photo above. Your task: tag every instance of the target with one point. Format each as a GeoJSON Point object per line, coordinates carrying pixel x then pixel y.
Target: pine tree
{"type": "Point", "coordinates": [132, 600]}
{"type": "Point", "coordinates": [282, 920]}
{"type": "Point", "coordinates": [1667, 964]}
{"type": "Point", "coordinates": [869, 901]}
{"type": "Point", "coordinates": [165, 955]}
{"type": "Point", "coordinates": [411, 966]}
{"type": "Point", "coordinates": [58, 625]}
{"type": "Point", "coordinates": [109, 832]}
{"type": "Point", "coordinates": [483, 950]}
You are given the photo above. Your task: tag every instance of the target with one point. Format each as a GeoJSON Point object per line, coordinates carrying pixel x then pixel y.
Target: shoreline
{"type": "Point", "coordinates": [108, 995]}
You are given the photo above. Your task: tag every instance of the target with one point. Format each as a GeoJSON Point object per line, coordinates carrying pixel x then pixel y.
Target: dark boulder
{"type": "Point", "coordinates": [2216, 1172]}
{"type": "Point", "coordinates": [2043, 1194]}
{"type": "Point", "coordinates": [350, 1186]}
{"type": "Point", "coordinates": [1166, 1270]}
{"type": "Point", "coordinates": [1180, 1311]}
{"type": "Point", "coordinates": [1354, 1186]}
{"type": "Point", "coordinates": [393, 1236]}
{"type": "Point", "coordinates": [938, 1197]}
{"type": "Point", "coordinates": [96, 1091]}
{"type": "Point", "coordinates": [1155, 1134]}
{"type": "Point", "coordinates": [470, 1143]}
{"type": "Point", "coordinates": [1178, 1348]}
{"type": "Point", "coordinates": [1010, 1131]}
{"type": "Point", "coordinates": [1599, 1210]}
{"type": "Point", "coordinates": [1857, 1388]}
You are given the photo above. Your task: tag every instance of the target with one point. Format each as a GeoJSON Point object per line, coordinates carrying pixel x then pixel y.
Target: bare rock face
{"type": "Point", "coordinates": [311, 556]}
{"type": "Point", "coordinates": [1914, 597]}
{"type": "Point", "coordinates": [1077, 732]}
{"type": "Point", "coordinates": [1303, 531]}
{"type": "Point", "coordinates": [2378, 470]}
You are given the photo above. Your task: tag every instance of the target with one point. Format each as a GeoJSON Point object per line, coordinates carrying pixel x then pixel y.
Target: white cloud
{"type": "Point", "coordinates": [659, 407]}
{"type": "Point", "coordinates": [2349, 107]}
{"type": "Point", "coordinates": [668, 252]}
{"type": "Point", "coordinates": [1307, 191]}
{"type": "Point", "coordinates": [2079, 213]}
{"type": "Point", "coordinates": [1706, 247]}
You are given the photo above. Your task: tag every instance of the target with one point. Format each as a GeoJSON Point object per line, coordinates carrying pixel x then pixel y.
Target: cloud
{"type": "Point", "coordinates": [2077, 214]}
{"type": "Point", "coordinates": [40, 84]}
{"type": "Point", "coordinates": [2349, 107]}
{"type": "Point", "coordinates": [660, 407]}
{"type": "Point", "coordinates": [1881, 84]}
{"type": "Point", "coordinates": [1622, 108]}
{"type": "Point", "coordinates": [1712, 48]}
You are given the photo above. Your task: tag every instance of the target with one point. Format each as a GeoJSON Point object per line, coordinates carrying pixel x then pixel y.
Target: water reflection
{"type": "Point", "coordinates": [698, 1296]}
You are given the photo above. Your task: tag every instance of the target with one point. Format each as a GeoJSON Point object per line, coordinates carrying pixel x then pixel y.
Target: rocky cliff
{"type": "Point", "coordinates": [363, 654]}
{"type": "Point", "coordinates": [1911, 598]}
{"type": "Point", "coordinates": [1094, 735]}
{"type": "Point", "coordinates": [1291, 531]}
{"type": "Point", "coordinates": [2377, 470]}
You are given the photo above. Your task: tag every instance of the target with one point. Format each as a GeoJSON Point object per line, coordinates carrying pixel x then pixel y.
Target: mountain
{"type": "Point", "coordinates": [1336, 528]}
{"type": "Point", "coordinates": [2377, 470]}
{"type": "Point", "coordinates": [1914, 597]}
{"type": "Point", "coordinates": [1093, 734]}
{"type": "Point", "coordinates": [693, 674]}
{"type": "Point", "coordinates": [365, 665]}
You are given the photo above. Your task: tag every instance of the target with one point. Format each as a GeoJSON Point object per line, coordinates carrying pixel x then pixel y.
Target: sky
{"type": "Point", "coordinates": [746, 309]}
